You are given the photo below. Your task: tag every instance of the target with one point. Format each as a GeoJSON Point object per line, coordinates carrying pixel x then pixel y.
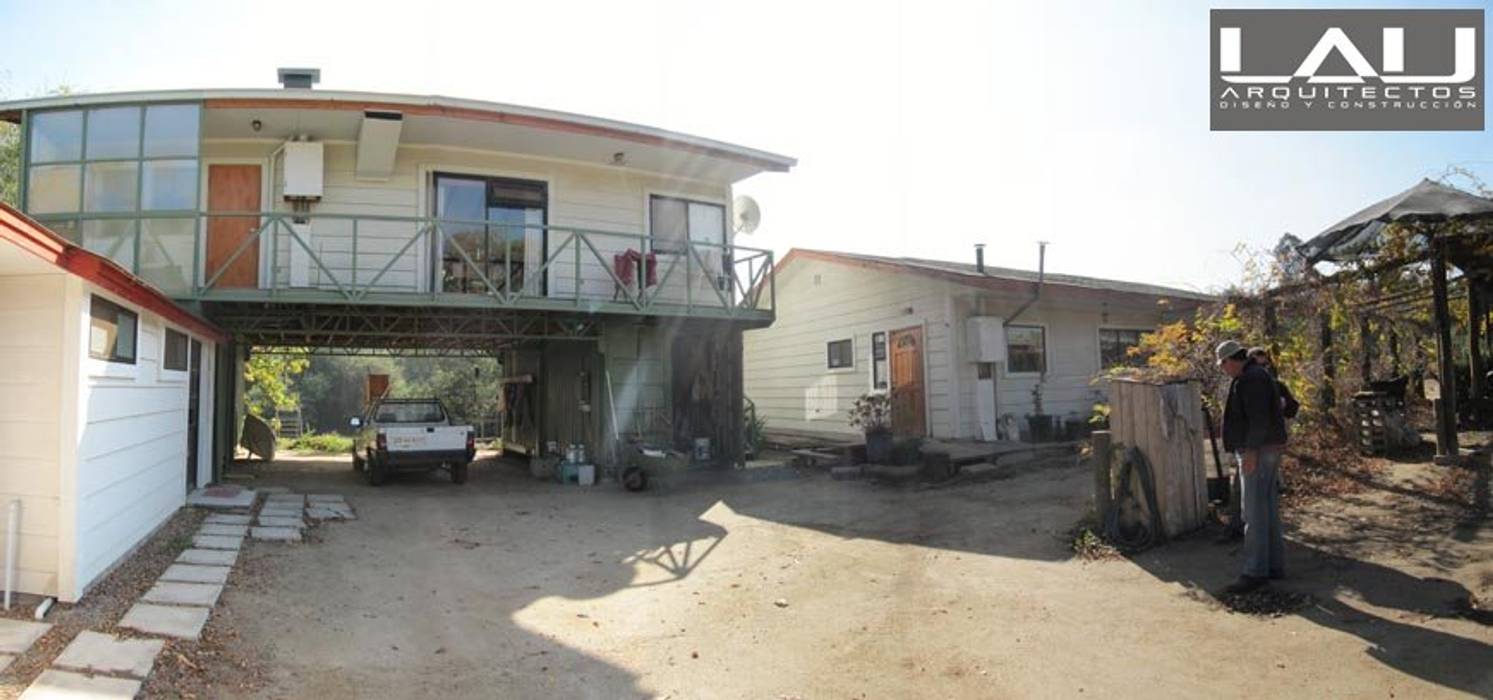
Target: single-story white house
{"type": "Point", "coordinates": [965, 350]}
{"type": "Point", "coordinates": [104, 383]}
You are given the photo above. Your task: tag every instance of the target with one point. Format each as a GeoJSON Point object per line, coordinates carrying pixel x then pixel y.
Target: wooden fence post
{"type": "Point", "coordinates": [1446, 427]}
{"type": "Point", "coordinates": [1102, 480]}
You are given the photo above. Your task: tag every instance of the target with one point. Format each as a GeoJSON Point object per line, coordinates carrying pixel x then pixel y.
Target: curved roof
{"type": "Point", "coordinates": [434, 105]}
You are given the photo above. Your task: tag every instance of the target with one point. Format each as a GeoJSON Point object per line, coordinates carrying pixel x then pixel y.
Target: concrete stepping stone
{"type": "Point", "coordinates": [59, 685]}
{"type": "Point", "coordinates": [225, 496]}
{"type": "Point", "coordinates": [177, 593]}
{"type": "Point", "coordinates": [275, 521]}
{"type": "Point", "coordinates": [282, 511]}
{"type": "Point", "coordinates": [276, 534]}
{"type": "Point", "coordinates": [16, 636]}
{"type": "Point", "coordinates": [217, 542]}
{"type": "Point", "coordinates": [326, 498]}
{"type": "Point", "coordinates": [194, 573]}
{"type": "Point", "coordinates": [317, 513]}
{"type": "Point", "coordinates": [294, 499]}
{"type": "Point", "coordinates": [208, 557]}
{"type": "Point", "coordinates": [224, 530]}
{"type": "Point", "coordinates": [228, 519]}
{"type": "Point", "coordinates": [166, 620]}
{"type": "Point", "coordinates": [96, 652]}
{"type": "Point", "coordinates": [274, 490]}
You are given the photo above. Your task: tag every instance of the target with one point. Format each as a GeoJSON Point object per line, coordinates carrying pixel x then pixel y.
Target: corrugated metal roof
{"type": "Point", "coordinates": [968, 270]}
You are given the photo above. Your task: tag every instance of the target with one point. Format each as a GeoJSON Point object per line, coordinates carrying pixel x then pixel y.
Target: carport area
{"type": "Point", "coordinates": [800, 587]}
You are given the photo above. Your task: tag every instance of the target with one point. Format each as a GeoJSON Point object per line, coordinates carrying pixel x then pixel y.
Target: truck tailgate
{"type": "Point", "coordinates": [442, 438]}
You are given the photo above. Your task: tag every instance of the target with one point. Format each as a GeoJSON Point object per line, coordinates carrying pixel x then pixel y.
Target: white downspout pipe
{"type": "Point", "coordinates": [12, 534]}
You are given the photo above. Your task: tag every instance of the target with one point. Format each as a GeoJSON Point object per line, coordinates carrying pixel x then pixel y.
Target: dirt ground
{"type": "Point", "coordinates": [813, 588]}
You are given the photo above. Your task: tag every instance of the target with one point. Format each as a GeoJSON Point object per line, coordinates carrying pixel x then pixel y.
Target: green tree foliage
{"type": "Point", "coordinates": [331, 389]}
{"type": "Point", "coordinates": [10, 164]}
{"type": "Point", "coordinates": [10, 152]}
{"type": "Point", "coordinates": [269, 382]}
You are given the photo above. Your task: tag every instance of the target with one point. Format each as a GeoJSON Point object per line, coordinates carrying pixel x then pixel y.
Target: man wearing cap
{"type": "Point", "coordinates": [1254, 427]}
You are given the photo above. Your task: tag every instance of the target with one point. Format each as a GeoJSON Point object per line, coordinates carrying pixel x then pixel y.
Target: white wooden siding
{"type": "Point", "coordinates": [592, 197]}
{"type": "Point", "coordinates": [1069, 389]}
{"type": "Point", "coordinates": [131, 446]}
{"type": "Point", "coordinates": [32, 323]}
{"type": "Point", "coordinates": [785, 366]}
{"type": "Point", "coordinates": [786, 371]}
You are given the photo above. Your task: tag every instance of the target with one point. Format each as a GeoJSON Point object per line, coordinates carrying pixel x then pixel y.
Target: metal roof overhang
{"type": "Point", "coordinates": [437, 120]}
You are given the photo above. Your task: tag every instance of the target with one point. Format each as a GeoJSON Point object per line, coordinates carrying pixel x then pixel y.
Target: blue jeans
{"type": "Point", "coordinates": [1264, 541]}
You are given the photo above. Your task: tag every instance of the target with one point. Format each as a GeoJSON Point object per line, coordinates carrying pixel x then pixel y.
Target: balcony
{"type": "Point", "coordinates": [343, 259]}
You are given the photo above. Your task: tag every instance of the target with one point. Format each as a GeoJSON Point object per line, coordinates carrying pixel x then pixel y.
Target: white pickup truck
{"type": "Point", "coordinates": [410, 435]}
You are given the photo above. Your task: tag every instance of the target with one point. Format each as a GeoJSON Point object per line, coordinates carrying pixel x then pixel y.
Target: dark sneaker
{"type": "Point", "coordinates": [1245, 584]}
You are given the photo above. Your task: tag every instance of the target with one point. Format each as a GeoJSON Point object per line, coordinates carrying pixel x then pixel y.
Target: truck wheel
{"type": "Point", "coordinates": [459, 472]}
{"type": "Point", "coordinates": [377, 472]}
{"type": "Point", "coordinates": [358, 464]}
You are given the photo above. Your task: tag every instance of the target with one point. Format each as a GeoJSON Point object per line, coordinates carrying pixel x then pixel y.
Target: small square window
{"type": "Point", "coordinates": [1026, 349]}
{"type": "Point", "coordinates": [840, 354]}
{"type": "Point", "coordinates": [1115, 345]}
{"type": "Point", "coordinates": [174, 354]}
{"type": "Point", "coordinates": [112, 331]}
{"type": "Point", "coordinates": [171, 130]}
{"type": "Point", "coordinates": [111, 186]}
{"type": "Point", "coordinates": [56, 136]}
{"type": "Point", "coordinates": [113, 132]}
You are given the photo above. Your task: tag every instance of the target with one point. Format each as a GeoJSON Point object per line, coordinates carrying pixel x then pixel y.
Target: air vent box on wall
{"type": "Point", "coordinates": [303, 170]}
{"type": "Point", "coordinates": [985, 338]}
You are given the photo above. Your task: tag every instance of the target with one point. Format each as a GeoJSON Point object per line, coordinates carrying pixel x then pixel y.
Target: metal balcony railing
{"type": "Point", "coordinates": [355, 258]}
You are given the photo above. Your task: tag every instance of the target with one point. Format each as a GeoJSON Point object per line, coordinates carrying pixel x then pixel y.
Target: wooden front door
{"type": "Point", "coordinates": [909, 401]}
{"type": "Point", "coordinates": [232, 188]}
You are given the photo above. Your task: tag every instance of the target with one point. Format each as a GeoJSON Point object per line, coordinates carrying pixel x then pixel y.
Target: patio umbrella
{"type": "Point", "coordinates": [1360, 235]}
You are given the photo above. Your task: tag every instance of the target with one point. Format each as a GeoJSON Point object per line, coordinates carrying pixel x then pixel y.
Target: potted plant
{"type": "Point", "coordinates": [1039, 422]}
{"type": "Point", "coordinates": [872, 413]}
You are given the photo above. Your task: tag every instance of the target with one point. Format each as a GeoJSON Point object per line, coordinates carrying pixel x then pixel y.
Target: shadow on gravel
{"type": "Point", "coordinates": [1334, 591]}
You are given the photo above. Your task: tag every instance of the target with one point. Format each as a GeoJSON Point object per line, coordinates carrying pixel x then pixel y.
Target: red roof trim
{"type": "Point", "coordinates": [32, 237]}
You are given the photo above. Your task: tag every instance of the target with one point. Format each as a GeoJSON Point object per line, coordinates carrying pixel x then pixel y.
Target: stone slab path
{"type": "Point", "coordinates": [95, 652]}
{"type": "Point", "coordinates": [166, 620]}
{"type": "Point", "coordinates": [96, 665]}
{"type": "Point", "coordinates": [209, 557]}
{"type": "Point", "coordinates": [197, 573]}
{"type": "Point", "coordinates": [53, 684]}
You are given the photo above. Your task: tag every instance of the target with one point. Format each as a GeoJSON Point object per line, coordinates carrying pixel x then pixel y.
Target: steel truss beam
{"type": "Point", "coordinates": [424, 331]}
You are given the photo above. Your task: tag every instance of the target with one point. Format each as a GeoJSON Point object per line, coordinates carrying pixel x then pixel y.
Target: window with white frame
{"type": "Point", "coordinates": [1026, 350]}
{"type": "Point", "coordinates": [1115, 345]}
{"type": "Point", "coordinates": [174, 350]}
{"type": "Point", "coordinates": [839, 354]}
{"type": "Point", "coordinates": [878, 361]}
{"type": "Point", "coordinates": [113, 331]}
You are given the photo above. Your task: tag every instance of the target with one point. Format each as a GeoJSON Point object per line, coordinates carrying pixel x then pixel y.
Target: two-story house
{"type": "Point", "coordinates": [595, 258]}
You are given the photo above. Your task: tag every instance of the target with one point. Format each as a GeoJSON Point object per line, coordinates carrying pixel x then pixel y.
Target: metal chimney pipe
{"type": "Point", "coordinates": [980, 258]}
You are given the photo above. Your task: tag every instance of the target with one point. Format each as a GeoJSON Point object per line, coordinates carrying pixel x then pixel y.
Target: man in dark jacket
{"type": "Point", "coordinates": [1254, 427]}
{"type": "Point", "coordinates": [1289, 405]}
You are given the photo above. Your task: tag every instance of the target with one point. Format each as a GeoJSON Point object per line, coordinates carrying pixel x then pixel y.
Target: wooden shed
{"type": "Point", "coordinates": [1165, 420]}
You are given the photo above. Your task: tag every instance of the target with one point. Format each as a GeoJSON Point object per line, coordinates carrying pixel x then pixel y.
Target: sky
{"type": "Point", "coordinates": [920, 127]}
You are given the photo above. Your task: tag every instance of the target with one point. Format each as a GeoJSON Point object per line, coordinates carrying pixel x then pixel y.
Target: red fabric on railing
{"type": "Point", "coordinates": [626, 265]}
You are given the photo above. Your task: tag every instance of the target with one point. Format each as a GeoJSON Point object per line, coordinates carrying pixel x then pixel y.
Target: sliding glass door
{"type": "Point", "coordinates": [495, 230]}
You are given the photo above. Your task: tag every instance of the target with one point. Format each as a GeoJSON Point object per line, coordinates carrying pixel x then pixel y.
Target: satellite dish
{"type": "Point", "coordinates": [747, 215]}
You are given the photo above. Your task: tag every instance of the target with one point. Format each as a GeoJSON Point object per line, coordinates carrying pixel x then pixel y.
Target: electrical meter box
{"type": "Point", "coordinates": [303, 170]}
